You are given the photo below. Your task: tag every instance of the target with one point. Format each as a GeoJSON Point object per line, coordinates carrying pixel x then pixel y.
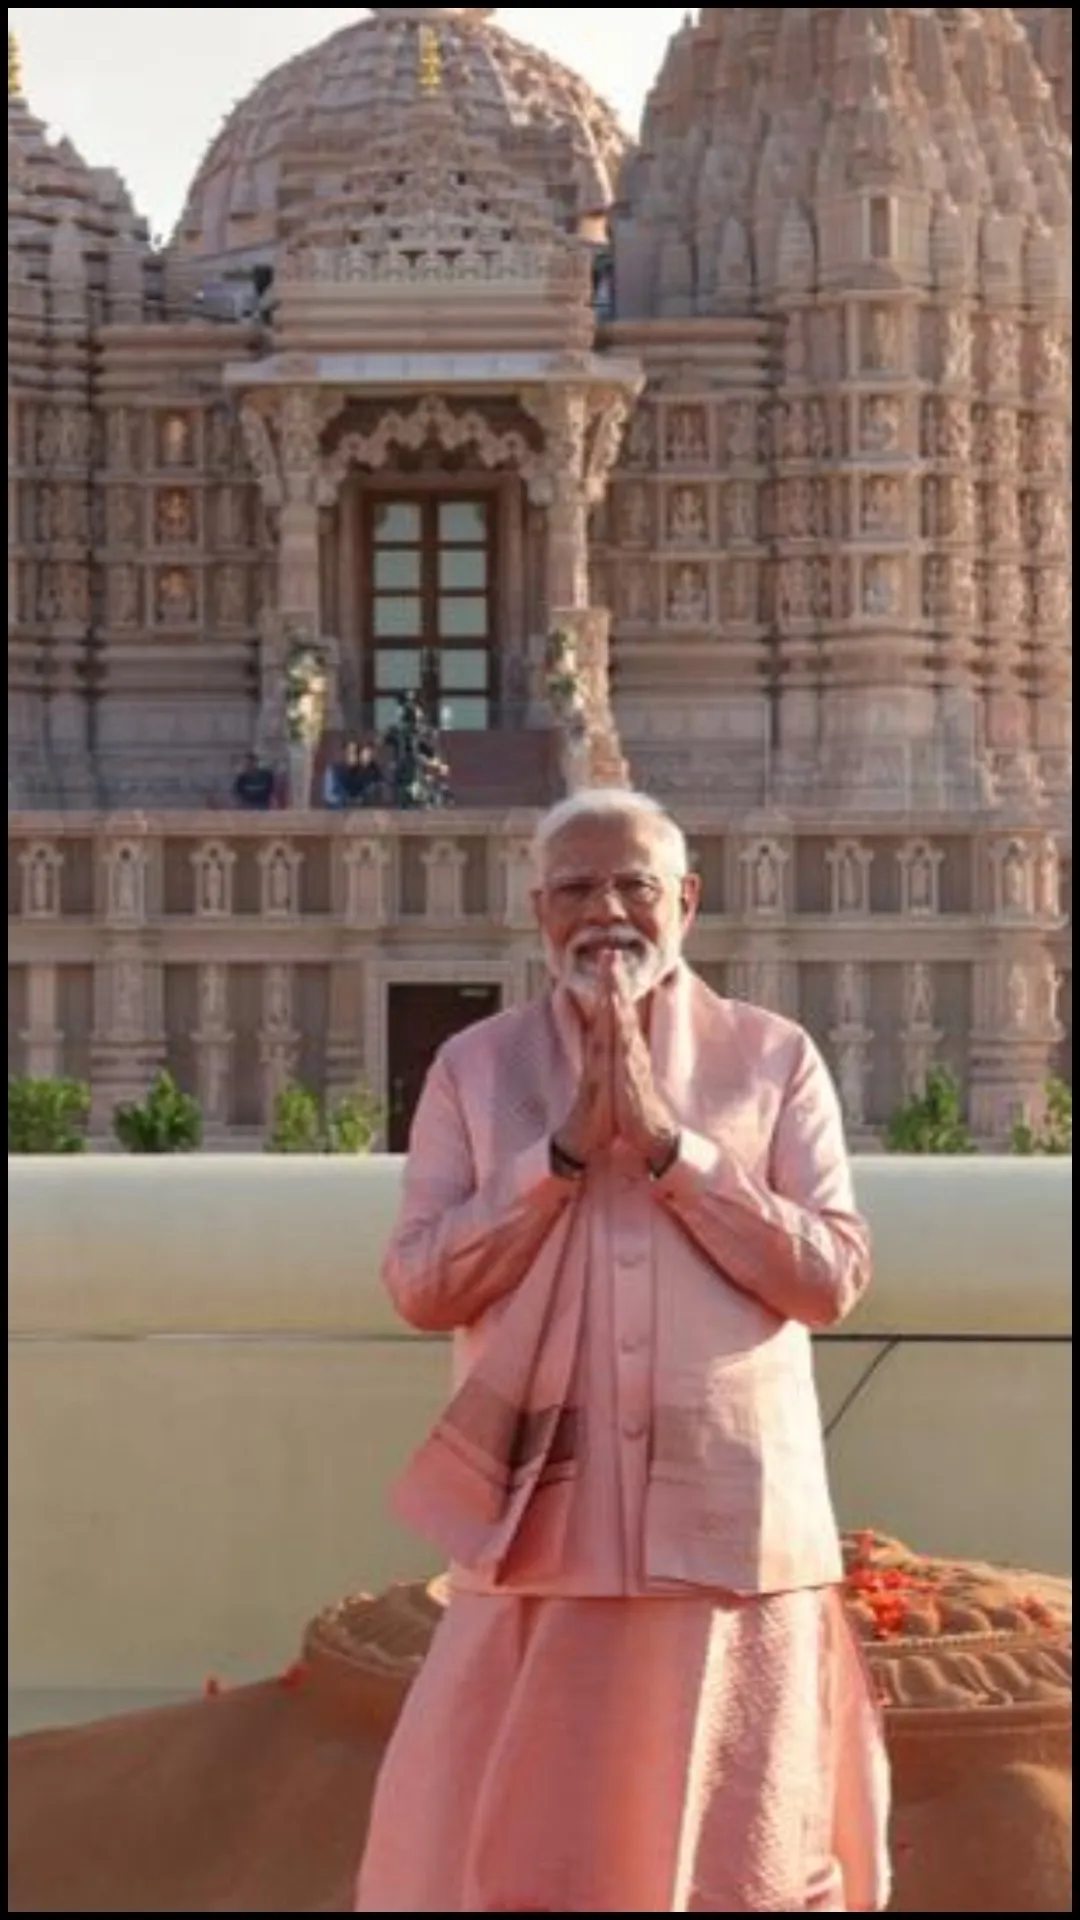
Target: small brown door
{"type": "Point", "coordinates": [420, 1018]}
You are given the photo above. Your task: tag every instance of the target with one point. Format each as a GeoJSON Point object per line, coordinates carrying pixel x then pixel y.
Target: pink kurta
{"type": "Point", "coordinates": [585, 1735]}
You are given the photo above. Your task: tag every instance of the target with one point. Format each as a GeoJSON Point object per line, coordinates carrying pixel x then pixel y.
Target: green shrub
{"type": "Point", "coordinates": [933, 1122]}
{"type": "Point", "coordinates": [297, 1122]}
{"type": "Point", "coordinates": [304, 1124]}
{"type": "Point", "coordinates": [167, 1121]}
{"type": "Point", "coordinates": [47, 1116]}
{"type": "Point", "coordinates": [1053, 1133]}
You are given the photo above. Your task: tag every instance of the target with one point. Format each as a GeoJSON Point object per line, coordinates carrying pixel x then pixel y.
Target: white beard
{"type": "Point", "coordinates": [642, 964]}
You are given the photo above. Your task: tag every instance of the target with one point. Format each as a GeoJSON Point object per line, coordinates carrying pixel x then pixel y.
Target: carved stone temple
{"type": "Point", "coordinates": [735, 463]}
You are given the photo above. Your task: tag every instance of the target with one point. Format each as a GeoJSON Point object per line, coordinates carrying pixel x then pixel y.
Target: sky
{"type": "Point", "coordinates": [143, 89]}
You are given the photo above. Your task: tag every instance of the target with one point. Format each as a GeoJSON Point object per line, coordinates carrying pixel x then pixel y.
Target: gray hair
{"type": "Point", "coordinates": [613, 803]}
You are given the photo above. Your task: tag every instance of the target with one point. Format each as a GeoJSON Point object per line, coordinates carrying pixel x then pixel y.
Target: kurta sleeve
{"type": "Point", "coordinates": [457, 1246]}
{"type": "Point", "coordinates": [794, 1240]}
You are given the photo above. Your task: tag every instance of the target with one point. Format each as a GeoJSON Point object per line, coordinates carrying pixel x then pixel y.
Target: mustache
{"type": "Point", "coordinates": [623, 938]}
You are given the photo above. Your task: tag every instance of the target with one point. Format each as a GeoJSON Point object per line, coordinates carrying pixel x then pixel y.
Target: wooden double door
{"type": "Point", "coordinates": [419, 1020]}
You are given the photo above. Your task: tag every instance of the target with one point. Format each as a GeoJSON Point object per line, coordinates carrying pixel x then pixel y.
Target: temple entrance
{"type": "Point", "coordinates": [431, 608]}
{"type": "Point", "coordinates": [419, 1019]}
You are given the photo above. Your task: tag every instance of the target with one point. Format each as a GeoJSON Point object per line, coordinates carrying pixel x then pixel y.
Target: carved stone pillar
{"type": "Point", "coordinates": [921, 1038]}
{"type": "Point", "coordinates": [214, 1046]}
{"type": "Point", "coordinates": [344, 1040]}
{"type": "Point", "coordinates": [278, 1038]}
{"type": "Point", "coordinates": [563, 413]}
{"type": "Point", "coordinates": [1016, 1028]}
{"type": "Point", "coordinates": [282, 436]}
{"type": "Point", "coordinates": [1016, 1031]}
{"type": "Point", "coordinates": [128, 1041]}
{"type": "Point", "coordinates": [583, 429]}
{"type": "Point", "coordinates": [42, 1036]}
{"type": "Point", "coordinates": [851, 1037]}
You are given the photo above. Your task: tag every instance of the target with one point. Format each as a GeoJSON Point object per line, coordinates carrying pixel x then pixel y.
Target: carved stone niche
{"type": "Point", "coordinates": [849, 873]}
{"type": "Point", "coordinates": [367, 867]}
{"type": "Point", "coordinates": [686, 436]}
{"type": "Point", "coordinates": [41, 866]}
{"type": "Point", "coordinates": [175, 440]}
{"type": "Point", "coordinates": [126, 867]}
{"type": "Point", "coordinates": [175, 517]}
{"type": "Point", "coordinates": [444, 864]}
{"type": "Point", "coordinates": [1013, 878]}
{"type": "Point", "coordinates": [1048, 880]}
{"type": "Point", "coordinates": [920, 879]}
{"type": "Point", "coordinates": [214, 865]}
{"type": "Point", "coordinates": [279, 866]}
{"type": "Point", "coordinates": [765, 865]}
{"type": "Point", "coordinates": [520, 876]}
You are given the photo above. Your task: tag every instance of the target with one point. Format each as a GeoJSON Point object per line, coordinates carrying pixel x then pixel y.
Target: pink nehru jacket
{"type": "Point", "coordinates": [659, 1329]}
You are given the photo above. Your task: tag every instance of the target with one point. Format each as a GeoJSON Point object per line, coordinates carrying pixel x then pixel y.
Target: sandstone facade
{"type": "Point", "coordinates": [766, 417]}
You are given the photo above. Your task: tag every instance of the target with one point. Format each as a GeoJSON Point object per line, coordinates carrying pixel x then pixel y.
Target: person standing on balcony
{"type": "Point", "coordinates": [631, 1203]}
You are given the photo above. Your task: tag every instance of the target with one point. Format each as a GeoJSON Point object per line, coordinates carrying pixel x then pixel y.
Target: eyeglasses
{"type": "Point", "coordinates": [633, 890]}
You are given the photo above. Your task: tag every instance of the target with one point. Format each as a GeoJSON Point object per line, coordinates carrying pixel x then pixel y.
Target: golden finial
{"type": "Point", "coordinates": [429, 67]}
{"type": "Point", "coordinates": [14, 68]}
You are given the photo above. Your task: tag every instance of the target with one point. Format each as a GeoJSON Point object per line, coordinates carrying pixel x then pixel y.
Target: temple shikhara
{"type": "Point", "coordinates": [735, 462]}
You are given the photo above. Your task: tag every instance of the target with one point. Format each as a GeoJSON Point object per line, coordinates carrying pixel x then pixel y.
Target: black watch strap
{"type": "Point", "coordinates": [564, 1164]}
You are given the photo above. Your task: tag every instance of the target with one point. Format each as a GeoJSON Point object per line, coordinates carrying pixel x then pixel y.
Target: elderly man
{"type": "Point", "coordinates": [631, 1202]}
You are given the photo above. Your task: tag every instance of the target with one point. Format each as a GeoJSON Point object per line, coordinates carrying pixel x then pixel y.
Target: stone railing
{"type": "Point", "coordinates": [240, 949]}
{"type": "Point", "coordinates": [210, 1395]}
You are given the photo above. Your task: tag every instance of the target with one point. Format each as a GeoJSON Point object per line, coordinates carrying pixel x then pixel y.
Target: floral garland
{"type": "Point", "coordinates": [563, 682]}
{"type": "Point", "coordinates": [904, 1598]}
{"type": "Point", "coordinates": [305, 690]}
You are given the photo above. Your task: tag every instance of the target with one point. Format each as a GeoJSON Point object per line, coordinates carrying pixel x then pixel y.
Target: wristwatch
{"type": "Point", "coordinates": [665, 1159]}
{"type": "Point", "coordinates": [563, 1165]}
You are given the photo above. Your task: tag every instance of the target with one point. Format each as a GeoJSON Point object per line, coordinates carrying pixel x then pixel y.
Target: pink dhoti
{"type": "Point", "coordinates": [644, 1755]}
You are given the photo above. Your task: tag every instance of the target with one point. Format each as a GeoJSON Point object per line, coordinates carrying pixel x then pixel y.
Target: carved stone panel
{"type": "Point", "coordinates": [214, 866]}
{"type": "Point", "coordinates": [444, 864]}
{"type": "Point", "coordinates": [175, 597]}
{"type": "Point", "coordinates": [126, 874]}
{"type": "Point", "coordinates": [765, 869]}
{"type": "Point", "coordinates": [687, 517]}
{"type": "Point", "coordinates": [175, 517]}
{"type": "Point", "coordinates": [920, 882]}
{"type": "Point", "coordinates": [368, 874]}
{"type": "Point", "coordinates": [849, 876]}
{"type": "Point", "coordinates": [686, 436]}
{"type": "Point", "coordinates": [687, 596]}
{"type": "Point", "coordinates": [175, 440]}
{"type": "Point", "coordinates": [41, 866]}
{"type": "Point", "coordinates": [279, 866]}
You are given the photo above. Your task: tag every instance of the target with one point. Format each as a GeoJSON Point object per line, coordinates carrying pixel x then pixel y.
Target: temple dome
{"type": "Point", "coordinates": [547, 123]}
